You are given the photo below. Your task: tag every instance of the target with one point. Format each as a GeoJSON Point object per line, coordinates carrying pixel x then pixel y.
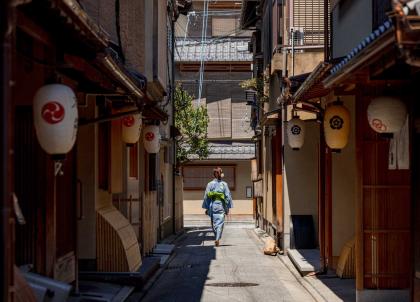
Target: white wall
{"type": "Point", "coordinates": [353, 16]}
{"type": "Point", "coordinates": [301, 179]}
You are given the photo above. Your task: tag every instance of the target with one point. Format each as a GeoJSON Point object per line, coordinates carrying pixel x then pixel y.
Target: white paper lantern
{"type": "Point", "coordinates": [296, 133]}
{"type": "Point", "coordinates": [131, 128]}
{"type": "Point", "coordinates": [336, 126]}
{"type": "Point", "coordinates": [386, 114]}
{"type": "Point", "coordinates": [56, 118]}
{"type": "Point", "coordinates": [151, 139]}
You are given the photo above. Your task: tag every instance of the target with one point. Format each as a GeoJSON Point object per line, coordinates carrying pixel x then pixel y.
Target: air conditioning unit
{"type": "Point", "coordinates": [296, 36]}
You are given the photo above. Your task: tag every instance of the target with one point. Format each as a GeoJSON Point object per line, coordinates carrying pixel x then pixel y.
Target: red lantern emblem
{"type": "Point", "coordinates": [128, 121]}
{"type": "Point", "coordinates": [378, 125]}
{"type": "Point", "coordinates": [149, 136]}
{"type": "Point", "coordinates": [53, 112]}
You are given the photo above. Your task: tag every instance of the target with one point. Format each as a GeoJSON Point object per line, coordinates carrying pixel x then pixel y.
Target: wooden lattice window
{"type": "Point", "coordinates": [197, 177]}
{"type": "Point", "coordinates": [224, 26]}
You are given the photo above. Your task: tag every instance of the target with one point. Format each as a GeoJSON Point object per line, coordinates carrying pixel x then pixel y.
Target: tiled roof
{"type": "Point", "coordinates": [385, 27]}
{"type": "Point", "coordinates": [220, 50]}
{"type": "Point", "coordinates": [232, 150]}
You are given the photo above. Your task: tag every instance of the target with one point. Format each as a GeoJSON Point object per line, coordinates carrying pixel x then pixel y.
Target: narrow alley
{"type": "Point", "coordinates": [237, 270]}
{"type": "Point", "coordinates": [134, 132]}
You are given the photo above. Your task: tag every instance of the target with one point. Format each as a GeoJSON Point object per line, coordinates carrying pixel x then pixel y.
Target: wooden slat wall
{"type": "Point", "coordinates": [117, 248]}
{"type": "Point", "coordinates": [150, 221]}
{"type": "Point", "coordinates": [383, 237]}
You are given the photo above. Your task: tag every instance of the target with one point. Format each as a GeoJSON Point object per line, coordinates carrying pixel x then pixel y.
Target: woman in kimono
{"type": "Point", "coordinates": [217, 202]}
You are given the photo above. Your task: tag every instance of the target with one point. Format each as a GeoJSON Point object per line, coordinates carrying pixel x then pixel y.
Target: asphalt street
{"type": "Point", "coordinates": [236, 271]}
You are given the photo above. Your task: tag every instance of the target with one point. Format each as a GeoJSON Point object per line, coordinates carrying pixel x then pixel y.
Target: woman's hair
{"type": "Point", "coordinates": [218, 173]}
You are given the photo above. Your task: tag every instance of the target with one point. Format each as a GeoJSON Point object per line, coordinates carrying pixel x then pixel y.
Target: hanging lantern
{"type": "Point", "coordinates": [296, 133]}
{"type": "Point", "coordinates": [56, 119]}
{"type": "Point", "coordinates": [336, 126]}
{"type": "Point", "coordinates": [151, 138]}
{"type": "Point", "coordinates": [386, 114]}
{"type": "Point", "coordinates": [131, 128]}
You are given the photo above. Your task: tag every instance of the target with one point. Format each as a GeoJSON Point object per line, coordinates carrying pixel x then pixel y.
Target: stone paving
{"type": "Point", "coordinates": [235, 271]}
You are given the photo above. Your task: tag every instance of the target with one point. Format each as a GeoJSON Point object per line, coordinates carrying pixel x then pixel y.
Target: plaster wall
{"type": "Point", "coordinates": [353, 16]}
{"type": "Point", "coordinates": [303, 62]}
{"type": "Point", "coordinates": [193, 199]}
{"type": "Point", "coordinates": [301, 179]}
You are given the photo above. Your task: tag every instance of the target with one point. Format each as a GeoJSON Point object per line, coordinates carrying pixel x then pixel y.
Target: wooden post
{"type": "Point", "coordinates": [325, 204]}
{"type": "Point", "coordinates": [6, 226]}
{"type": "Point", "coordinates": [328, 209]}
{"type": "Point", "coordinates": [278, 167]}
{"type": "Point", "coordinates": [321, 200]}
{"type": "Point", "coordinates": [50, 220]}
{"type": "Point", "coordinates": [359, 197]}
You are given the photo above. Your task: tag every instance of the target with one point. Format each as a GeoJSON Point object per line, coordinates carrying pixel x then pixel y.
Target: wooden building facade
{"type": "Point", "coordinates": [107, 204]}
{"type": "Point", "coordinates": [359, 197]}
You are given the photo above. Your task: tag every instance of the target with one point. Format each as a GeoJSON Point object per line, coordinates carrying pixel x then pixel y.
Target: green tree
{"type": "Point", "coordinates": [192, 122]}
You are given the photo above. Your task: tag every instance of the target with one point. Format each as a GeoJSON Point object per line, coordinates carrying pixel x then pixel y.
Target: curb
{"type": "Point", "coordinates": [302, 280]}
{"type": "Point", "coordinates": [139, 295]}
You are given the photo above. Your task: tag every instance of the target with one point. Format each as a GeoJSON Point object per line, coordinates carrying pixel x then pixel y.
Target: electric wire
{"type": "Point", "coordinates": [203, 40]}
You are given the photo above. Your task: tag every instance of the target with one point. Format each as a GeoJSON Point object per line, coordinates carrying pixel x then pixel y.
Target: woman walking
{"type": "Point", "coordinates": [217, 202]}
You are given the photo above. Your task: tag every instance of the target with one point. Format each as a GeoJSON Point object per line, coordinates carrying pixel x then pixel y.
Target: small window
{"type": "Point", "coordinates": [197, 177]}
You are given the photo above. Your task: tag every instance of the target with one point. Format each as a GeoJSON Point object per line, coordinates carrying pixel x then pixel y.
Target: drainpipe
{"type": "Point", "coordinates": [285, 240]}
{"type": "Point", "coordinates": [293, 52]}
{"type": "Point", "coordinates": [173, 121]}
{"type": "Point", "coordinates": [283, 106]}
{"type": "Point", "coordinates": [6, 256]}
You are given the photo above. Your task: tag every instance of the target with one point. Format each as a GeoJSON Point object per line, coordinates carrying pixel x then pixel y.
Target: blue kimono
{"type": "Point", "coordinates": [216, 207]}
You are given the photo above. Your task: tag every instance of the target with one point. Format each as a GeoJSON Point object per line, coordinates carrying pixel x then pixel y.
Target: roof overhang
{"type": "Point", "coordinates": [313, 87]}
{"type": "Point", "coordinates": [373, 48]}
{"type": "Point", "coordinates": [82, 23]}
{"type": "Point", "coordinates": [154, 113]}
{"type": "Point", "coordinates": [79, 22]}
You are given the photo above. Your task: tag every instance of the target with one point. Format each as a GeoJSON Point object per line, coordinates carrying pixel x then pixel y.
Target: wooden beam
{"type": "Point", "coordinates": [216, 66]}
{"type": "Point", "coordinates": [34, 30]}
{"type": "Point", "coordinates": [359, 194]}
{"type": "Point", "coordinates": [321, 200]}
{"type": "Point", "coordinates": [228, 5]}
